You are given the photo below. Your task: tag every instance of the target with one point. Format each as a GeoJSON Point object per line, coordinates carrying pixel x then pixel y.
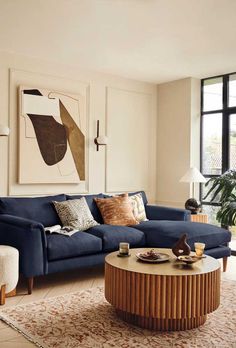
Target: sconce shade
{"type": "Point", "coordinates": [102, 140]}
{"type": "Point", "coordinates": [193, 175]}
{"type": "Point", "coordinates": [4, 131]}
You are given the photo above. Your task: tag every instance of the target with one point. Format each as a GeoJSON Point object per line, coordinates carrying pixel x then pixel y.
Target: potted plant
{"type": "Point", "coordinates": [223, 189]}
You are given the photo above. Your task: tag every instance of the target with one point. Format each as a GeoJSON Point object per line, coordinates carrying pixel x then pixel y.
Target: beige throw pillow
{"type": "Point", "coordinates": [116, 210]}
{"type": "Point", "coordinates": [75, 213]}
{"type": "Point", "coordinates": [138, 207]}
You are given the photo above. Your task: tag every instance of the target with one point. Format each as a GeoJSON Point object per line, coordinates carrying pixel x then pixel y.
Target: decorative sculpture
{"type": "Point", "coordinates": [181, 247]}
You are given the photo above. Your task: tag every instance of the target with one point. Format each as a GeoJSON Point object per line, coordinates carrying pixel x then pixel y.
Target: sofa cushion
{"type": "Point", "coordinates": [91, 204]}
{"type": "Point", "coordinates": [138, 207]}
{"type": "Point", "coordinates": [112, 235]}
{"type": "Point", "coordinates": [164, 234]}
{"type": "Point", "coordinates": [39, 209]}
{"type": "Point", "coordinates": [143, 194]}
{"type": "Point", "coordinates": [116, 210]}
{"type": "Point", "coordinates": [218, 252]}
{"type": "Point", "coordinates": [75, 213]}
{"type": "Point", "coordinates": [80, 243]}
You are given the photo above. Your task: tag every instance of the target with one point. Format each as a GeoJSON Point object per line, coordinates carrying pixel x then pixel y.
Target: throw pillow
{"type": "Point", "coordinates": [75, 213]}
{"type": "Point", "coordinates": [138, 207]}
{"type": "Point", "coordinates": [116, 210]}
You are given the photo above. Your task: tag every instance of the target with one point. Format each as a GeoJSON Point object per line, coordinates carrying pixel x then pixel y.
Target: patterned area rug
{"type": "Point", "coordinates": [85, 319]}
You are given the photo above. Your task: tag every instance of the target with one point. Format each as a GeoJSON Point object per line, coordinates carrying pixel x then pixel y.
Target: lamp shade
{"type": "Point", "coordinates": [193, 175]}
{"type": "Point", "coordinates": [4, 131]}
{"type": "Point", "coordinates": [102, 140]}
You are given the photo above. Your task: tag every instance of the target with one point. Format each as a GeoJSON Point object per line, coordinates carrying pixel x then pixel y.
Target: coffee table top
{"type": "Point", "coordinates": [171, 267]}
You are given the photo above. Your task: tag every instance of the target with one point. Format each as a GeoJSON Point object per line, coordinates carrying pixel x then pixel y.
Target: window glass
{"type": "Point", "coordinates": [218, 136]}
{"type": "Point", "coordinates": [213, 94]}
{"type": "Point", "coordinates": [232, 141]}
{"type": "Point", "coordinates": [205, 189]}
{"type": "Point", "coordinates": [232, 90]}
{"type": "Point", "coordinates": [212, 144]}
{"type": "Point", "coordinates": [211, 211]}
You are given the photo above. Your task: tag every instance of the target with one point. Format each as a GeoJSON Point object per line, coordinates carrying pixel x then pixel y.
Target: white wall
{"type": "Point", "coordinates": [178, 138]}
{"type": "Point", "coordinates": [126, 110]}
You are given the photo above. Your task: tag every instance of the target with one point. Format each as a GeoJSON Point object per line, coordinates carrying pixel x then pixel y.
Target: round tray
{"type": "Point", "coordinates": [163, 258]}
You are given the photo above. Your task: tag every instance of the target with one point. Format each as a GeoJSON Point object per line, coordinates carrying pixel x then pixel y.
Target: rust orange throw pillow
{"type": "Point", "coordinates": [116, 210]}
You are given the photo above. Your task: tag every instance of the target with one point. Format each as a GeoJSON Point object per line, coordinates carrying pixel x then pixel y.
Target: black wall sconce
{"type": "Point", "coordinates": [100, 140]}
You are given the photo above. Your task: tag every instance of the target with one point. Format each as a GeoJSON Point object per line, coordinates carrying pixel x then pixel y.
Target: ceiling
{"type": "Point", "coordinates": [149, 40]}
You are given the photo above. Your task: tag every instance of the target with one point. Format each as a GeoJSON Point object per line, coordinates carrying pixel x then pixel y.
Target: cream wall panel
{"type": "Point", "coordinates": [128, 155]}
{"type": "Point", "coordinates": [4, 119]}
{"type": "Point", "coordinates": [173, 140]}
{"type": "Point", "coordinates": [174, 204]}
{"type": "Point", "coordinates": [178, 138]}
{"type": "Point", "coordinates": [97, 158]}
{"type": "Point", "coordinates": [195, 126]}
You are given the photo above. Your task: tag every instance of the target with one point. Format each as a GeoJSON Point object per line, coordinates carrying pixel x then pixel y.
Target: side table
{"type": "Point", "coordinates": [9, 271]}
{"type": "Point", "coordinates": [199, 218]}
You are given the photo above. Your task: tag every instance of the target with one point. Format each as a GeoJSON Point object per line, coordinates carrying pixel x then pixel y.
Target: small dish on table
{"type": "Point", "coordinates": [189, 260]}
{"type": "Point", "coordinates": [152, 256]}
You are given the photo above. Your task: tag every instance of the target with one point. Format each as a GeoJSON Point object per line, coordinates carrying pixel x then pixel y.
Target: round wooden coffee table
{"type": "Point", "coordinates": [164, 296]}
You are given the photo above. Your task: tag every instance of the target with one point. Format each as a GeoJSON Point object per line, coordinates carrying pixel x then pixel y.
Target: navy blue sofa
{"type": "Point", "coordinates": [22, 222]}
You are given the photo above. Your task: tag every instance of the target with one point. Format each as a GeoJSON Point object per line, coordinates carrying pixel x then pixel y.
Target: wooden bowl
{"type": "Point", "coordinates": [189, 260]}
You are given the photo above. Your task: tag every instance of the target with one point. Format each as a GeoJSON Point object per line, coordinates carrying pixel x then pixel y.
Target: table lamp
{"type": "Point", "coordinates": [192, 176]}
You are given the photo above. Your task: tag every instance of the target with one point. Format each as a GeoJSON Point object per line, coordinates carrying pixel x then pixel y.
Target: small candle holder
{"type": "Point", "coordinates": [199, 249]}
{"type": "Point", "coordinates": [123, 249]}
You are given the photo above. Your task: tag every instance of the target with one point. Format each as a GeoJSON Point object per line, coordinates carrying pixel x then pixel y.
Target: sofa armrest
{"type": "Point", "coordinates": [29, 238]}
{"type": "Point", "coordinates": [155, 212]}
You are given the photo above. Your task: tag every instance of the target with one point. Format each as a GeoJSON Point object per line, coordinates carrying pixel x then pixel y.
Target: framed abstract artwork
{"type": "Point", "coordinates": [52, 128]}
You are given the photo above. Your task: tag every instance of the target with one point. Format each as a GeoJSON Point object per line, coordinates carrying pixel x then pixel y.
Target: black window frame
{"type": "Point", "coordinates": [226, 111]}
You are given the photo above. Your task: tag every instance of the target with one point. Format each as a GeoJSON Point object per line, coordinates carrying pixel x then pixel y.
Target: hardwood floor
{"type": "Point", "coordinates": [59, 284]}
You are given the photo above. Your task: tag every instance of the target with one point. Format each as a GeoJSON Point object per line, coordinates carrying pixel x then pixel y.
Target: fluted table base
{"type": "Point", "coordinates": [163, 297]}
{"type": "Point", "coordinates": [161, 324]}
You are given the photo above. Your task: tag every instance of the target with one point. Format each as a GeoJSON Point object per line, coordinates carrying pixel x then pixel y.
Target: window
{"type": "Point", "coordinates": [218, 131]}
{"type": "Point", "coordinates": [218, 125]}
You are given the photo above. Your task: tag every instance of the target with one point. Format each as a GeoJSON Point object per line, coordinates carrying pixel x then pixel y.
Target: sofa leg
{"type": "Point", "coordinates": [30, 281]}
{"type": "Point", "coordinates": [225, 259]}
{"type": "Point", "coordinates": [2, 294]}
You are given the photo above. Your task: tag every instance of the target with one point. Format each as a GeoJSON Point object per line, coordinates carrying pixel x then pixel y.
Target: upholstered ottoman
{"type": "Point", "coordinates": [9, 270]}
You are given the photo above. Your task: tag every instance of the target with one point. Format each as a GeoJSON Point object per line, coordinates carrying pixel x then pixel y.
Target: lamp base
{"type": "Point", "coordinates": [193, 205]}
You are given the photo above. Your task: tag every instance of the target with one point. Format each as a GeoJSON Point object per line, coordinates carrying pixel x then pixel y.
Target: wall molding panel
{"type": "Point", "coordinates": [129, 154]}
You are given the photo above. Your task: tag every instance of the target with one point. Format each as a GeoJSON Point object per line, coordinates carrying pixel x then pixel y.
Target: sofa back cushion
{"type": "Point", "coordinates": [91, 204]}
{"type": "Point", "coordinates": [38, 209]}
{"type": "Point", "coordinates": [143, 194]}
